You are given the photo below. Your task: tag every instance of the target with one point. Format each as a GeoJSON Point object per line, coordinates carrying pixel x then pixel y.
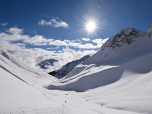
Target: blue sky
{"type": "Point", "coordinates": [35, 30]}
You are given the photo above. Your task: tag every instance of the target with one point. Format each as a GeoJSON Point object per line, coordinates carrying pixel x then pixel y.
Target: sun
{"type": "Point", "coordinates": [90, 26]}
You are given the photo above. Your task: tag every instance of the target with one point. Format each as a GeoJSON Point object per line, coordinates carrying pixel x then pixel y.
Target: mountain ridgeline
{"type": "Point", "coordinates": [46, 63]}
{"type": "Point", "coordinates": [67, 68]}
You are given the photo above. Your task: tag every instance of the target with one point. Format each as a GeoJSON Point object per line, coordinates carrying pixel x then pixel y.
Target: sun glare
{"type": "Point", "coordinates": [90, 26]}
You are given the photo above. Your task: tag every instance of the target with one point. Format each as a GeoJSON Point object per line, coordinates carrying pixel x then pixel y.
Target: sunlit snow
{"type": "Point", "coordinates": [115, 80]}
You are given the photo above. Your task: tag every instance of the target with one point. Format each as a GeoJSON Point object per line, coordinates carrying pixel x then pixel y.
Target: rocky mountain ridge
{"type": "Point", "coordinates": [67, 68]}
{"type": "Point", "coordinates": [119, 41]}
{"type": "Point", "coordinates": [46, 63]}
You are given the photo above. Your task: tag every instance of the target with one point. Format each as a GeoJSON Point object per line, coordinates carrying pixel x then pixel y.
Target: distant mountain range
{"type": "Point", "coordinates": [46, 63]}
{"type": "Point", "coordinates": [67, 68]}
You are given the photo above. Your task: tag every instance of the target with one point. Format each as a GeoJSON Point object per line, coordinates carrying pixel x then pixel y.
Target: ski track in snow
{"type": "Point", "coordinates": [79, 107]}
{"type": "Point", "coordinates": [59, 110]}
{"type": "Point", "coordinates": [67, 104]}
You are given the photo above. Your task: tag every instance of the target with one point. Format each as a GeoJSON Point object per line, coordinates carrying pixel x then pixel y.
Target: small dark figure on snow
{"type": "Point", "coordinates": [65, 101]}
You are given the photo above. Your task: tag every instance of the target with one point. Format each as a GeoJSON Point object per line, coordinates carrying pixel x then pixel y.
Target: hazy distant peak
{"type": "Point", "coordinates": [46, 63]}
{"type": "Point", "coordinates": [150, 28]}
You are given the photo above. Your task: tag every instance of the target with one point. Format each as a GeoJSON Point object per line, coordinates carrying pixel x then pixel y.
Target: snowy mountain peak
{"type": "Point", "coordinates": [123, 37]}
{"type": "Point", "coordinates": [123, 40]}
{"type": "Point", "coordinates": [150, 28]}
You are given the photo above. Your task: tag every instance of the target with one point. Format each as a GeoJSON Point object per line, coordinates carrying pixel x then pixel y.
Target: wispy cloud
{"type": "Point", "coordinates": [67, 41]}
{"type": "Point", "coordinates": [13, 34]}
{"type": "Point", "coordinates": [68, 55]}
{"type": "Point", "coordinates": [58, 43]}
{"type": "Point", "coordinates": [36, 40]}
{"type": "Point", "coordinates": [78, 44]}
{"type": "Point", "coordinates": [88, 46]}
{"type": "Point", "coordinates": [4, 24]}
{"type": "Point", "coordinates": [85, 39]}
{"type": "Point", "coordinates": [35, 55]}
{"type": "Point", "coordinates": [16, 34]}
{"type": "Point", "coordinates": [100, 41]}
{"type": "Point", "coordinates": [97, 41]}
{"type": "Point", "coordinates": [15, 31]}
{"type": "Point", "coordinates": [54, 23]}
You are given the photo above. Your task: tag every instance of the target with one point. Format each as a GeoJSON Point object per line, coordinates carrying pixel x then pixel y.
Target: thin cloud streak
{"type": "Point", "coordinates": [53, 23]}
{"type": "Point", "coordinates": [85, 39]}
{"type": "Point", "coordinates": [4, 24]}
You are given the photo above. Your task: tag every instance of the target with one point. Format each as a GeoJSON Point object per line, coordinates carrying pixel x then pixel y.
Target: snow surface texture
{"type": "Point", "coordinates": [21, 92]}
{"type": "Point", "coordinates": [67, 68]}
{"type": "Point", "coordinates": [119, 75]}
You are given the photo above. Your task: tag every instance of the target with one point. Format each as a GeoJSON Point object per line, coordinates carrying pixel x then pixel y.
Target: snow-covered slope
{"type": "Point", "coordinates": [67, 68]}
{"type": "Point", "coordinates": [14, 91]}
{"type": "Point", "coordinates": [127, 45]}
{"type": "Point", "coordinates": [22, 92]}
{"type": "Point", "coordinates": [16, 66]}
{"type": "Point", "coordinates": [120, 71]}
{"type": "Point", "coordinates": [116, 80]}
{"type": "Point", "coordinates": [18, 85]}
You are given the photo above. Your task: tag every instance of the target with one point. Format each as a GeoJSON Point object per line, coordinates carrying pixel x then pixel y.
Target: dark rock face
{"type": "Point", "coordinates": [67, 68]}
{"type": "Point", "coordinates": [44, 64]}
{"type": "Point", "coordinates": [53, 73]}
{"type": "Point", "coordinates": [117, 41]}
{"type": "Point", "coordinates": [125, 36]}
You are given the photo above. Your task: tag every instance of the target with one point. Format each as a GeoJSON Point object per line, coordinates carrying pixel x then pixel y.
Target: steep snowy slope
{"type": "Point", "coordinates": [120, 71]}
{"type": "Point", "coordinates": [17, 93]}
{"type": "Point", "coordinates": [67, 68]}
{"type": "Point", "coordinates": [18, 86]}
{"type": "Point", "coordinates": [15, 66]}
